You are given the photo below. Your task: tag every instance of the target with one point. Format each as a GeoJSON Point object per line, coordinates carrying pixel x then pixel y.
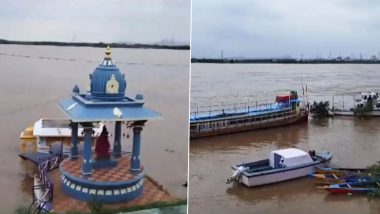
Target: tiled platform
{"type": "Point", "coordinates": [152, 193]}
{"type": "Point", "coordinates": [119, 173]}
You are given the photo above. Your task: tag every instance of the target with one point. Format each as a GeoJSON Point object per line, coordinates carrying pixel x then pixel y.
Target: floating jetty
{"type": "Point", "coordinates": [286, 108]}
{"type": "Point", "coordinates": [360, 103]}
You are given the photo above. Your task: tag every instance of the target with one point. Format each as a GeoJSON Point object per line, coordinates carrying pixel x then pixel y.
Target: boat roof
{"type": "Point", "coordinates": [290, 153]}
{"type": "Point", "coordinates": [290, 157]}
{"type": "Point", "coordinates": [220, 113]}
{"type": "Point", "coordinates": [58, 127]}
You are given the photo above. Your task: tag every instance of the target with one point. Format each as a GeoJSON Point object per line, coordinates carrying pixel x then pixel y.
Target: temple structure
{"type": "Point", "coordinates": [102, 173]}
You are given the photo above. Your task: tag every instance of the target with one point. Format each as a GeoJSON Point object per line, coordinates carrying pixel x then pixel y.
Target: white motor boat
{"type": "Point", "coordinates": [282, 165]}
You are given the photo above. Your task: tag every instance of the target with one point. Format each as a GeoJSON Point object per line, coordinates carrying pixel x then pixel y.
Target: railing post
{"type": "Point", "coordinates": [209, 113]}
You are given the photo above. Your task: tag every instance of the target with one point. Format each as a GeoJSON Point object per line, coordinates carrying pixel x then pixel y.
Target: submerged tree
{"type": "Point", "coordinates": [374, 172]}
{"type": "Point", "coordinates": [319, 110]}
{"type": "Point", "coordinates": [362, 111]}
{"type": "Point", "coordinates": [23, 210]}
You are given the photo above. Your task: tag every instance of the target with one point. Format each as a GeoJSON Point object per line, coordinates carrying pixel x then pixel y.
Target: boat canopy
{"type": "Point", "coordinates": [288, 158]}
{"type": "Point", "coordinates": [58, 127]}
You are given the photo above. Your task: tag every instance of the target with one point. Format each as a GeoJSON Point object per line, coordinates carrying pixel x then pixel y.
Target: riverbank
{"type": "Point", "coordinates": [286, 61]}
{"type": "Point", "coordinates": [99, 44]}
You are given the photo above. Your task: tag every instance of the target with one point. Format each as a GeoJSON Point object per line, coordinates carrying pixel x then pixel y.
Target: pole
{"type": "Point", "coordinates": [74, 141]}
{"type": "Point", "coordinates": [117, 140]}
{"type": "Point", "coordinates": [135, 159]}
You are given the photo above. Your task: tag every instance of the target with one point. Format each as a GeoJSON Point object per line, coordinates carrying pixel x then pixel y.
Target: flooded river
{"type": "Point", "coordinates": [34, 78]}
{"type": "Point", "coordinates": [354, 142]}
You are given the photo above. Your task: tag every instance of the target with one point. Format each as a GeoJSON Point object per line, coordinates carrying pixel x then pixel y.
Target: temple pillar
{"type": "Point", "coordinates": [87, 153]}
{"type": "Point", "coordinates": [117, 142]}
{"type": "Point", "coordinates": [135, 159]}
{"type": "Point", "coordinates": [74, 141]}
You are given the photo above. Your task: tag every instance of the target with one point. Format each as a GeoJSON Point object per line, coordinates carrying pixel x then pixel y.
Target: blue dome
{"type": "Point", "coordinates": [107, 82]}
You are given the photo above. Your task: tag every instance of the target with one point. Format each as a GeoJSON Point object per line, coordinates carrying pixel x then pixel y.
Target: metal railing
{"type": "Point", "coordinates": [229, 123]}
{"type": "Point", "coordinates": [241, 107]}
{"type": "Point", "coordinates": [45, 165]}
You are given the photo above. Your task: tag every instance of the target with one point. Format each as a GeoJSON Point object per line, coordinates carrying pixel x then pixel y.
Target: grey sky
{"type": "Point", "coordinates": [276, 28]}
{"type": "Point", "coordinates": [141, 21]}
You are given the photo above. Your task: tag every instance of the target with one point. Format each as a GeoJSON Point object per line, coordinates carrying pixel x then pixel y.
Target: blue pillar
{"type": "Point", "coordinates": [74, 141]}
{"type": "Point", "coordinates": [135, 159]}
{"type": "Point", "coordinates": [87, 153]}
{"type": "Point", "coordinates": [117, 142]}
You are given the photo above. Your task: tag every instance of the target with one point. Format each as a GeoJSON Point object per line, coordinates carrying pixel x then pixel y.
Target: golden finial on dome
{"type": "Point", "coordinates": [108, 53]}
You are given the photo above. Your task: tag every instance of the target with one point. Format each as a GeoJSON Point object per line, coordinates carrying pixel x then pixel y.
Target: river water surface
{"type": "Point", "coordinates": [354, 142]}
{"type": "Point", "coordinates": [34, 78]}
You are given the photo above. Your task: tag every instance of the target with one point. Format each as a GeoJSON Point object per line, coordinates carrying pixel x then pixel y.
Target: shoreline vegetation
{"type": "Point", "coordinates": [97, 208]}
{"type": "Point", "coordinates": [337, 60]}
{"type": "Point", "coordinates": [99, 44]}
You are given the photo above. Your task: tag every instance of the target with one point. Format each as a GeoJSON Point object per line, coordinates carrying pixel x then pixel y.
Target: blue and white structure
{"type": "Point", "coordinates": [119, 178]}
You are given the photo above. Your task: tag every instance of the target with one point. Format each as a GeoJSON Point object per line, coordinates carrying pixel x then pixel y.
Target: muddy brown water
{"type": "Point", "coordinates": [34, 78]}
{"type": "Point", "coordinates": [354, 142]}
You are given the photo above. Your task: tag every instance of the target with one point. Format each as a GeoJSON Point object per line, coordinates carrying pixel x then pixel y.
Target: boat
{"type": "Point", "coordinates": [340, 171]}
{"type": "Point", "coordinates": [282, 165]}
{"type": "Point", "coordinates": [353, 187]}
{"type": "Point", "coordinates": [330, 176]}
{"type": "Point", "coordinates": [287, 108]}
{"type": "Point", "coordinates": [47, 131]}
{"type": "Point", "coordinates": [323, 179]}
{"type": "Point", "coordinates": [362, 101]}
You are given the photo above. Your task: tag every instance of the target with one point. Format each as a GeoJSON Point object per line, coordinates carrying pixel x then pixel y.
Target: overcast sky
{"type": "Point", "coordinates": [277, 28]}
{"type": "Point", "coordinates": [141, 21]}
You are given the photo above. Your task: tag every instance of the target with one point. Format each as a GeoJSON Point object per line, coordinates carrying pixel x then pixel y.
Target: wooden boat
{"type": "Point", "coordinates": [286, 109]}
{"type": "Point", "coordinates": [353, 187]}
{"type": "Point", "coordinates": [323, 179]}
{"type": "Point", "coordinates": [340, 175]}
{"type": "Point", "coordinates": [340, 171]}
{"type": "Point", "coordinates": [282, 165]}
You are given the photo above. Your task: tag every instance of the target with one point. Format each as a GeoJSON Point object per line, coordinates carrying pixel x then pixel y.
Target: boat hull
{"type": "Point", "coordinates": [331, 176]}
{"type": "Point", "coordinates": [281, 175]}
{"type": "Point", "coordinates": [352, 187]}
{"type": "Point", "coordinates": [350, 190]}
{"type": "Point", "coordinates": [282, 121]}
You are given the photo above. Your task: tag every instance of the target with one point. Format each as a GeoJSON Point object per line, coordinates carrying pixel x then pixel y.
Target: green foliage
{"type": "Point", "coordinates": [320, 110]}
{"type": "Point", "coordinates": [147, 206]}
{"type": "Point", "coordinates": [73, 212]}
{"type": "Point", "coordinates": [374, 172]}
{"type": "Point", "coordinates": [375, 194]}
{"type": "Point", "coordinates": [23, 210]}
{"type": "Point", "coordinates": [362, 111]}
{"type": "Point", "coordinates": [95, 206]}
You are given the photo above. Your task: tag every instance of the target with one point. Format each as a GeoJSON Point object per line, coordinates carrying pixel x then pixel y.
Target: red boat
{"type": "Point", "coordinates": [353, 187]}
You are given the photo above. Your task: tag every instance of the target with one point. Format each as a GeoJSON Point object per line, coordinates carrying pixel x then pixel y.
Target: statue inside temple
{"type": "Point", "coordinates": [102, 146]}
